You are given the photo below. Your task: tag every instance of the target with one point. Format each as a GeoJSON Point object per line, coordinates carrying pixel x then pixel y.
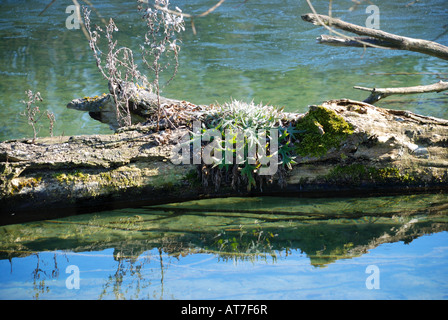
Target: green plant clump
{"type": "Point", "coordinates": [239, 123]}
{"type": "Point", "coordinates": [321, 129]}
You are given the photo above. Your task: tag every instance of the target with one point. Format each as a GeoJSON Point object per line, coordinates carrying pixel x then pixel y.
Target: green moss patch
{"type": "Point", "coordinates": [25, 183]}
{"type": "Point", "coordinates": [320, 130]}
{"type": "Point", "coordinates": [358, 173]}
{"type": "Point", "coordinates": [70, 177]}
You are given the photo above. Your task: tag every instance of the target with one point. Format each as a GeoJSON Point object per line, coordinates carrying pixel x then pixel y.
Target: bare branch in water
{"type": "Point", "coordinates": [381, 93]}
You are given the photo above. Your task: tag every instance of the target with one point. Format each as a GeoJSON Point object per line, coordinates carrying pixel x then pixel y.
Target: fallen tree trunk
{"type": "Point", "coordinates": [388, 151]}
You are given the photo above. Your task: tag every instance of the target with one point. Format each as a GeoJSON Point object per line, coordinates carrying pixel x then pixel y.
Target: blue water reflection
{"type": "Point", "coordinates": [407, 271]}
{"type": "Point", "coordinates": [235, 248]}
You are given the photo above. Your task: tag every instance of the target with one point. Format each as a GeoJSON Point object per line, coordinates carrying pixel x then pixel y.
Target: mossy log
{"type": "Point", "coordinates": [358, 148]}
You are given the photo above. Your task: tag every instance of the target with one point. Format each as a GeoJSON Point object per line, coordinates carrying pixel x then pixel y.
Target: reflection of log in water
{"type": "Point", "coordinates": [236, 235]}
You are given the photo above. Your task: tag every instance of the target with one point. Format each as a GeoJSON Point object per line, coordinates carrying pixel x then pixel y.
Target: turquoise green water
{"type": "Point", "coordinates": [254, 50]}
{"type": "Point", "coordinates": [258, 248]}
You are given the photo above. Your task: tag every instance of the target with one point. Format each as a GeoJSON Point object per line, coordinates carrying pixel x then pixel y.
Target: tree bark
{"type": "Point", "coordinates": [388, 152]}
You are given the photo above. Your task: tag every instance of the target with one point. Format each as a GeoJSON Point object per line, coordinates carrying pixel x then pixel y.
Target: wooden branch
{"type": "Point", "coordinates": [380, 93]}
{"type": "Point", "coordinates": [358, 42]}
{"type": "Point", "coordinates": [397, 42]}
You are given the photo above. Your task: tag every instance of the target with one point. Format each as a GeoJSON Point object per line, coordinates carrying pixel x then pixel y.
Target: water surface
{"type": "Point", "coordinates": [246, 50]}
{"type": "Point", "coordinates": [236, 248]}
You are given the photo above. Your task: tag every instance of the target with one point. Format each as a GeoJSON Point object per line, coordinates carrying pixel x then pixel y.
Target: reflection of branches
{"type": "Point", "coordinates": [161, 272]}
{"type": "Point", "coordinates": [187, 15]}
{"type": "Point", "coordinates": [250, 245]}
{"type": "Point", "coordinates": [236, 239]}
{"type": "Point", "coordinates": [48, 6]}
{"type": "Point", "coordinates": [127, 269]}
{"type": "Point", "coordinates": [441, 34]}
{"type": "Point", "coordinates": [357, 3]}
{"type": "Point", "coordinates": [156, 6]}
{"type": "Point", "coordinates": [40, 276]}
{"type": "Point", "coordinates": [78, 16]}
{"type": "Point", "coordinates": [38, 286]}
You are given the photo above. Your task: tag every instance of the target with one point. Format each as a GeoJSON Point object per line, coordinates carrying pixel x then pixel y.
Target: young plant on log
{"type": "Point", "coordinates": [160, 43]}
{"type": "Point", "coordinates": [33, 115]}
{"type": "Point", "coordinates": [52, 119]}
{"type": "Point", "coordinates": [240, 124]}
{"type": "Point", "coordinates": [119, 67]}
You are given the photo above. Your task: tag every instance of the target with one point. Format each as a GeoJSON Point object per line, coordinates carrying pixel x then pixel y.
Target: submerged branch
{"type": "Point", "coordinates": [359, 42]}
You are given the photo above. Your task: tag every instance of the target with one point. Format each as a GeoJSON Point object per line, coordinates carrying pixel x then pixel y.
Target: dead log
{"type": "Point", "coordinates": [387, 152]}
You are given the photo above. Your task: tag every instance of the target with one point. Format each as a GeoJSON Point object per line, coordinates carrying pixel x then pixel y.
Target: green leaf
{"type": "Point", "coordinates": [248, 171]}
